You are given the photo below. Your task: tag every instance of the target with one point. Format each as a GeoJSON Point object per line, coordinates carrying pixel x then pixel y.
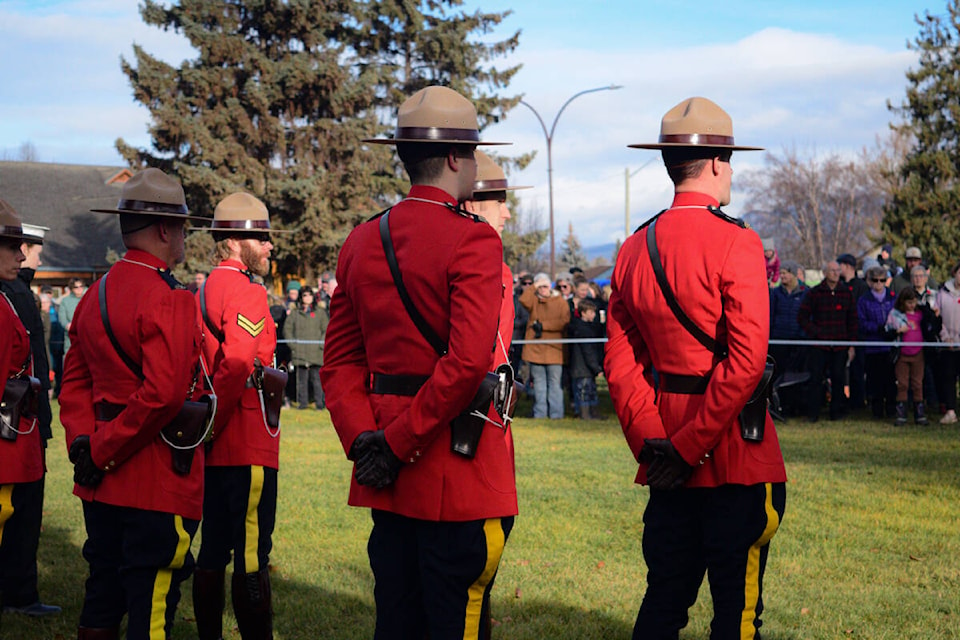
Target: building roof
{"type": "Point", "coordinates": [60, 196]}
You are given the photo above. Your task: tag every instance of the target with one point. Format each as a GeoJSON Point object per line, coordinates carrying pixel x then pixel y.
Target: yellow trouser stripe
{"type": "Point", "coordinates": [6, 506]}
{"type": "Point", "coordinates": [161, 584]}
{"type": "Point", "coordinates": [252, 530]}
{"type": "Point", "coordinates": [752, 579]}
{"type": "Point", "coordinates": [493, 532]}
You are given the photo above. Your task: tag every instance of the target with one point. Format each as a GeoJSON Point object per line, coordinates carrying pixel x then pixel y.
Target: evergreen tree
{"type": "Point", "coordinates": [923, 209]}
{"type": "Point", "coordinates": [275, 104]}
{"type": "Point", "coordinates": [571, 252]}
{"type": "Point", "coordinates": [281, 94]}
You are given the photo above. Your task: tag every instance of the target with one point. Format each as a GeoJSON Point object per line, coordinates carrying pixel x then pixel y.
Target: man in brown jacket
{"type": "Point", "coordinates": [549, 316]}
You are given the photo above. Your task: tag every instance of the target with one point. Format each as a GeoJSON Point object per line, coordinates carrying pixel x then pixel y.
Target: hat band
{"type": "Point", "coordinates": [438, 134]}
{"type": "Point", "coordinates": [704, 139]}
{"type": "Point", "coordinates": [146, 206]}
{"type": "Point", "coordinates": [241, 224]}
{"type": "Point", "coordinates": [7, 230]}
{"type": "Point", "coordinates": [490, 185]}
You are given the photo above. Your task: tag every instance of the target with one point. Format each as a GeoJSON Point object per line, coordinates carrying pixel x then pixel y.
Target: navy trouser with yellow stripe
{"type": "Point", "coordinates": [722, 531]}
{"type": "Point", "coordinates": [433, 579]}
{"type": "Point", "coordinates": [239, 512]}
{"type": "Point", "coordinates": [137, 558]}
{"type": "Point", "coordinates": [21, 506]}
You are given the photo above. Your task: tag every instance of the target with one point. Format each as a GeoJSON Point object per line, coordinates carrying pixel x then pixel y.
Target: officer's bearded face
{"type": "Point", "coordinates": [255, 255]}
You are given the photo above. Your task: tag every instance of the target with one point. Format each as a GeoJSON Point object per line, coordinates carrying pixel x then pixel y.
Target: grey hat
{"type": "Point", "coordinates": [789, 265]}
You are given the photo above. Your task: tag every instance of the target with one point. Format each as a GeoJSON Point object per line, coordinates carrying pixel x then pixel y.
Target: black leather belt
{"type": "Point", "coordinates": [397, 385]}
{"type": "Point", "coordinates": [690, 385]}
{"type": "Point", "coordinates": [107, 411]}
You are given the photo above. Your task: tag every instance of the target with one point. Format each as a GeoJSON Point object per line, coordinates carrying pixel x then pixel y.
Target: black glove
{"type": "Point", "coordinates": [668, 470]}
{"type": "Point", "coordinates": [537, 329]}
{"type": "Point", "coordinates": [85, 471]}
{"type": "Point", "coordinates": [377, 466]}
{"type": "Point", "coordinates": [361, 444]}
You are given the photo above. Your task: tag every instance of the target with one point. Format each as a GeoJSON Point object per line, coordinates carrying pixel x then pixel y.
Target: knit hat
{"type": "Point", "coordinates": [769, 244]}
{"type": "Point", "coordinates": [790, 265]}
{"type": "Point", "coordinates": [846, 258]}
{"type": "Point", "coordinates": [541, 278]}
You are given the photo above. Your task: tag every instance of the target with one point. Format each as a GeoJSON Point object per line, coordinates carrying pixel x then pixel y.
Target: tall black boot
{"type": "Point", "coordinates": [251, 605]}
{"type": "Point", "coordinates": [208, 603]}
{"type": "Point", "coordinates": [920, 414]}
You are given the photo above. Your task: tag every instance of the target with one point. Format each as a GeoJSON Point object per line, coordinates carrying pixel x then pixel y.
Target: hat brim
{"type": "Point", "coordinates": [239, 232]}
{"type": "Point", "coordinates": [434, 141]}
{"type": "Point", "coordinates": [22, 237]}
{"type": "Point", "coordinates": [158, 214]}
{"type": "Point", "coordinates": [502, 189]}
{"type": "Point", "coordinates": [681, 145]}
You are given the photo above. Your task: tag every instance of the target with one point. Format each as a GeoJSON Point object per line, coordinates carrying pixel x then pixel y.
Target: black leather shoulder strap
{"type": "Point", "coordinates": [702, 336]}
{"type": "Point", "coordinates": [105, 317]}
{"type": "Point", "coordinates": [206, 317]}
{"type": "Point", "coordinates": [421, 323]}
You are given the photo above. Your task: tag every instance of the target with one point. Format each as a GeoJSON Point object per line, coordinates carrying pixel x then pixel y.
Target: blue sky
{"type": "Point", "coordinates": [810, 75]}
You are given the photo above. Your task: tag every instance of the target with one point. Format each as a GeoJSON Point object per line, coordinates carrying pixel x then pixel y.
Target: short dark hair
{"type": "Point", "coordinates": [424, 161]}
{"type": "Point", "coordinates": [586, 304]}
{"type": "Point", "coordinates": [684, 163]}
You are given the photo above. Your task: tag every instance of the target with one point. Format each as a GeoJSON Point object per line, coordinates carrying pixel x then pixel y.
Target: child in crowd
{"type": "Point", "coordinates": [586, 358]}
{"type": "Point", "coordinates": [905, 320]}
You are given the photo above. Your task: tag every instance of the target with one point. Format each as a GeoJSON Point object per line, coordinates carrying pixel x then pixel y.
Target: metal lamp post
{"type": "Point", "coordinates": [549, 137]}
{"type": "Point", "coordinates": [627, 174]}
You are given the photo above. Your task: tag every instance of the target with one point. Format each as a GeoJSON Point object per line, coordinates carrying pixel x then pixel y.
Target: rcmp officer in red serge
{"type": "Point", "coordinates": [489, 201]}
{"type": "Point", "coordinates": [21, 445]}
{"type": "Point", "coordinates": [440, 519]}
{"type": "Point", "coordinates": [240, 504]}
{"type": "Point", "coordinates": [716, 498]}
{"type": "Point", "coordinates": [133, 362]}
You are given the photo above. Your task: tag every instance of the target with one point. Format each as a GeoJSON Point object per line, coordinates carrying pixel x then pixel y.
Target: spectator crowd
{"type": "Point", "coordinates": [890, 304]}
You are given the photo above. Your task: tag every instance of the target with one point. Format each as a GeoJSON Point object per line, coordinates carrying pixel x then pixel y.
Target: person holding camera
{"type": "Point", "coordinates": [713, 465]}
{"type": "Point", "coordinates": [395, 386]}
{"type": "Point", "coordinates": [549, 317]}
{"type": "Point", "coordinates": [133, 364]}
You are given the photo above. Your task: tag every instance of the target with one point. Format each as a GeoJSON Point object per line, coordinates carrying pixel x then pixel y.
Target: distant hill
{"type": "Point", "coordinates": [600, 251]}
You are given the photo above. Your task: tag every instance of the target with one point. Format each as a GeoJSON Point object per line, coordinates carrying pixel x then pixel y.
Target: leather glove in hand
{"type": "Point", "coordinates": [377, 465]}
{"type": "Point", "coordinates": [361, 444]}
{"type": "Point", "coordinates": [85, 471]}
{"type": "Point", "coordinates": [668, 470]}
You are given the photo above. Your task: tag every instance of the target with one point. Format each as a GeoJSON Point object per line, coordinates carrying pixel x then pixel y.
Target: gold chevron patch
{"type": "Point", "coordinates": [251, 327]}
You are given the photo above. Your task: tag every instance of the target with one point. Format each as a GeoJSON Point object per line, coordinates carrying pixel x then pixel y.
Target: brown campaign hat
{"type": "Point", "coordinates": [490, 177]}
{"type": "Point", "coordinates": [10, 224]}
{"type": "Point", "coordinates": [436, 114]}
{"type": "Point", "coordinates": [242, 213]}
{"type": "Point", "coordinates": [696, 122]}
{"type": "Point", "coordinates": [151, 192]}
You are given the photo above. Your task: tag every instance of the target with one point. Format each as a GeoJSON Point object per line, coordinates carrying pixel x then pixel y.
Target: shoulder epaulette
{"type": "Point", "coordinates": [377, 215]}
{"type": "Point", "coordinates": [649, 222]}
{"type": "Point", "coordinates": [723, 216]}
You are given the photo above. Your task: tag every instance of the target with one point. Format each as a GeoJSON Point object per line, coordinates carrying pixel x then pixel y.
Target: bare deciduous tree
{"type": "Point", "coordinates": [819, 207]}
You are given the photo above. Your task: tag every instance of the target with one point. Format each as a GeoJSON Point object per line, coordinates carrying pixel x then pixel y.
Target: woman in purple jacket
{"type": "Point", "coordinates": [872, 310]}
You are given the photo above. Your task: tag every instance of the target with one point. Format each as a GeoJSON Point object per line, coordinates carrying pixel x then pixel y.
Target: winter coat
{"type": "Point", "coordinates": [948, 299]}
{"type": "Point", "coordinates": [586, 358]}
{"type": "Point", "coordinates": [553, 313]}
{"type": "Point", "coordinates": [872, 318]}
{"type": "Point", "coordinates": [784, 306]}
{"type": "Point", "coordinates": [309, 326]}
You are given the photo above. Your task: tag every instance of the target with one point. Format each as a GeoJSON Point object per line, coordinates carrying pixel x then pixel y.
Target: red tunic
{"type": "Point", "coordinates": [238, 310]}
{"type": "Point", "coordinates": [158, 327]}
{"type": "Point", "coordinates": [715, 268]}
{"type": "Point", "coordinates": [452, 269]}
{"type": "Point", "coordinates": [20, 460]}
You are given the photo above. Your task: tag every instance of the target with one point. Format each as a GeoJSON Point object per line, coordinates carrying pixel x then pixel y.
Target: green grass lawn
{"type": "Point", "coordinates": [869, 547]}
